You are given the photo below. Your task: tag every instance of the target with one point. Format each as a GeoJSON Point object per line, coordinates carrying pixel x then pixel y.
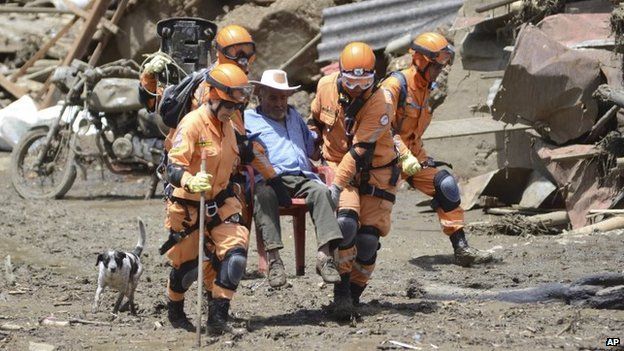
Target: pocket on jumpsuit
{"type": "Point", "coordinates": [385, 214]}
{"type": "Point", "coordinates": [186, 249]}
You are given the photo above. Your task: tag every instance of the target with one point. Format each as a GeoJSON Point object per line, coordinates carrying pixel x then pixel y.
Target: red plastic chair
{"type": "Point", "coordinates": [298, 212]}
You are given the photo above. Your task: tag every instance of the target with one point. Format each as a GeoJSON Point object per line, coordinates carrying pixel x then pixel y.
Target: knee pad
{"type": "Point", "coordinates": [232, 268]}
{"type": "Point", "coordinates": [181, 279]}
{"type": "Point", "coordinates": [367, 244]}
{"type": "Point", "coordinates": [446, 192]}
{"type": "Point", "coordinates": [348, 223]}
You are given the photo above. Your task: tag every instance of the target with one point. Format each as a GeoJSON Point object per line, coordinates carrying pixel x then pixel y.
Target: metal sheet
{"type": "Point", "coordinates": [377, 22]}
{"type": "Point", "coordinates": [538, 190]}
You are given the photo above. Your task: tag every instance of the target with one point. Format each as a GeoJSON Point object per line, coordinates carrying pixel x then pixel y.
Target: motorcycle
{"type": "Point", "coordinates": [102, 102]}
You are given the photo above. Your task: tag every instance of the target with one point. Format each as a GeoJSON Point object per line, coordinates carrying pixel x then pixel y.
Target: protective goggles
{"type": "Point", "coordinates": [236, 52]}
{"type": "Point", "coordinates": [232, 105]}
{"type": "Point", "coordinates": [443, 57]}
{"type": "Point", "coordinates": [240, 94]}
{"type": "Point", "coordinates": [358, 78]}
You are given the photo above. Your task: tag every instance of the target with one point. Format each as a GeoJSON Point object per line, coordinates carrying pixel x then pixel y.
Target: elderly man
{"type": "Point", "coordinates": [289, 145]}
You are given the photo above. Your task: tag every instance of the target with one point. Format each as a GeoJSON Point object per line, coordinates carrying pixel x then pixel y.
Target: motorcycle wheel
{"type": "Point", "coordinates": [53, 179]}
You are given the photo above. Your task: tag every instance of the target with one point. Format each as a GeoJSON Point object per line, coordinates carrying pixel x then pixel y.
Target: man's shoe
{"type": "Point", "coordinates": [326, 268]}
{"type": "Point", "coordinates": [467, 256]}
{"type": "Point", "coordinates": [177, 317]}
{"type": "Point", "coordinates": [277, 273]}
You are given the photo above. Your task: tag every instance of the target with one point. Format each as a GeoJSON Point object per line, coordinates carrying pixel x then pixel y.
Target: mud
{"type": "Point", "coordinates": [54, 244]}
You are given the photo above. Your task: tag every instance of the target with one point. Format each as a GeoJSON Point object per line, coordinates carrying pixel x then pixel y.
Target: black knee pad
{"type": "Point", "coordinates": [348, 223]}
{"type": "Point", "coordinates": [446, 191]}
{"type": "Point", "coordinates": [367, 244]}
{"type": "Point", "coordinates": [232, 268]}
{"type": "Point", "coordinates": [178, 278]}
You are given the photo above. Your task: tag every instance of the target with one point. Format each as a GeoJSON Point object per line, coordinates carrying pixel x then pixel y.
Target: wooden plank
{"type": "Point", "coordinates": [95, 57]}
{"type": "Point", "coordinates": [80, 45]}
{"type": "Point", "coordinates": [468, 126]}
{"type": "Point", "coordinates": [84, 14]}
{"type": "Point", "coordinates": [15, 9]}
{"type": "Point", "coordinates": [11, 87]}
{"type": "Point", "coordinates": [43, 50]}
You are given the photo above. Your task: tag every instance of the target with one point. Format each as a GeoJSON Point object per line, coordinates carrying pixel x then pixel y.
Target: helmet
{"type": "Point", "coordinates": [228, 82]}
{"type": "Point", "coordinates": [434, 48]}
{"type": "Point", "coordinates": [357, 65]}
{"type": "Point", "coordinates": [235, 45]}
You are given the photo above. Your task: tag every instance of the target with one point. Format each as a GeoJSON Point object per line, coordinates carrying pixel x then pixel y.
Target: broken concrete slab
{"type": "Point", "coordinates": [539, 89]}
{"type": "Point", "coordinates": [564, 28]}
{"type": "Point", "coordinates": [505, 184]}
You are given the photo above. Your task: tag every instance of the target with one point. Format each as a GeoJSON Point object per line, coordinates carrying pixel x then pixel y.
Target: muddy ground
{"type": "Point", "coordinates": [54, 244]}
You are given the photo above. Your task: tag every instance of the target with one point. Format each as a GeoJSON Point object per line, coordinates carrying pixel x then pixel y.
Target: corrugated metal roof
{"type": "Point", "coordinates": [376, 22]}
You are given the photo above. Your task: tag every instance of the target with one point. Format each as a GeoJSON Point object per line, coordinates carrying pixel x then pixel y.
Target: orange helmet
{"type": "Point", "coordinates": [229, 82]}
{"type": "Point", "coordinates": [432, 47]}
{"type": "Point", "coordinates": [235, 45]}
{"type": "Point", "coordinates": [357, 65]}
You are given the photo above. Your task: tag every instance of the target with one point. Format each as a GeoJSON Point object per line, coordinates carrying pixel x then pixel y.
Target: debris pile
{"type": "Point", "coordinates": [554, 66]}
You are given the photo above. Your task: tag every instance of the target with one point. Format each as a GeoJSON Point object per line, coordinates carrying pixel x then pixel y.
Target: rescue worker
{"type": "Point", "coordinates": [235, 46]}
{"type": "Point", "coordinates": [208, 129]}
{"type": "Point", "coordinates": [289, 145]}
{"type": "Point", "coordinates": [410, 89]}
{"type": "Point", "coordinates": [353, 118]}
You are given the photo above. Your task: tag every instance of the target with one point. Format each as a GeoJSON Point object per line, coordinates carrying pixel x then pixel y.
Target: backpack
{"type": "Point", "coordinates": [403, 82]}
{"type": "Point", "coordinates": [176, 99]}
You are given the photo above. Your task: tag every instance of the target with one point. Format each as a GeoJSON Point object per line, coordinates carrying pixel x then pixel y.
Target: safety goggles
{"type": "Point", "coordinates": [358, 78]}
{"type": "Point", "coordinates": [236, 52]}
{"type": "Point", "coordinates": [443, 57]}
{"type": "Point", "coordinates": [230, 105]}
{"type": "Point", "coordinates": [240, 94]}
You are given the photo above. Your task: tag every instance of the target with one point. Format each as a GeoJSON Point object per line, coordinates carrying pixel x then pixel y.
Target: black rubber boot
{"type": "Point", "coordinates": [356, 292]}
{"type": "Point", "coordinates": [465, 255]}
{"type": "Point", "coordinates": [343, 305]}
{"type": "Point", "coordinates": [218, 310]}
{"type": "Point", "coordinates": [177, 317]}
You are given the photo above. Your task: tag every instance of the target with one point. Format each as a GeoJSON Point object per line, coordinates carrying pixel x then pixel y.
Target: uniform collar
{"type": "Point", "coordinates": [419, 80]}
{"type": "Point", "coordinates": [210, 120]}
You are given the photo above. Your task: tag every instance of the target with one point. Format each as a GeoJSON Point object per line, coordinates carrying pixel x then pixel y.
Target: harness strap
{"type": "Point", "coordinates": [212, 207]}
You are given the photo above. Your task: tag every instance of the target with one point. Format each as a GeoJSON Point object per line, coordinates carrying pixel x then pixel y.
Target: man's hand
{"type": "Point", "coordinates": [283, 197]}
{"type": "Point", "coordinates": [335, 191]}
{"type": "Point", "coordinates": [410, 164]}
{"type": "Point", "coordinates": [199, 183]}
{"type": "Point", "coordinates": [156, 64]}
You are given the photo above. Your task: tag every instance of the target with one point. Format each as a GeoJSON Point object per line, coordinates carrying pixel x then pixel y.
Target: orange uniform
{"type": "Point", "coordinates": [200, 97]}
{"type": "Point", "coordinates": [198, 131]}
{"type": "Point", "coordinates": [411, 120]}
{"type": "Point", "coordinates": [370, 144]}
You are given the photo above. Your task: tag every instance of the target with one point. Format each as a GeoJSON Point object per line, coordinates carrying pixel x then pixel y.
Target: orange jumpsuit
{"type": "Point", "coordinates": [200, 130]}
{"type": "Point", "coordinates": [200, 96]}
{"type": "Point", "coordinates": [372, 126]}
{"type": "Point", "coordinates": [409, 125]}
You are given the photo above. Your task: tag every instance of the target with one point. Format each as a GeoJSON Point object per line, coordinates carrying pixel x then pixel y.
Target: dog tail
{"type": "Point", "coordinates": [139, 246]}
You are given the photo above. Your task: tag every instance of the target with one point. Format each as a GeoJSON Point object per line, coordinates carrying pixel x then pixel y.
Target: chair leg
{"type": "Point", "coordinates": [262, 257]}
{"type": "Point", "coordinates": [299, 237]}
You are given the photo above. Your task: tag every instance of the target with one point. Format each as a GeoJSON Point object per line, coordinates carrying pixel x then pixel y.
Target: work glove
{"type": "Point", "coordinates": [157, 63]}
{"type": "Point", "coordinates": [283, 197]}
{"type": "Point", "coordinates": [199, 183]}
{"type": "Point", "coordinates": [410, 164]}
{"type": "Point", "coordinates": [335, 191]}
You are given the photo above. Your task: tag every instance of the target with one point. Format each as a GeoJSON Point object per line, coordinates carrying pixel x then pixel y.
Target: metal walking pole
{"type": "Point", "coordinates": [200, 257]}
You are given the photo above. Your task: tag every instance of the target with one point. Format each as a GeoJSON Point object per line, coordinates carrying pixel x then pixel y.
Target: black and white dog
{"type": "Point", "coordinates": [121, 271]}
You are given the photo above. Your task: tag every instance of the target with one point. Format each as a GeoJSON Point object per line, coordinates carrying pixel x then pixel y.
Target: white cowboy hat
{"type": "Point", "coordinates": [276, 79]}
